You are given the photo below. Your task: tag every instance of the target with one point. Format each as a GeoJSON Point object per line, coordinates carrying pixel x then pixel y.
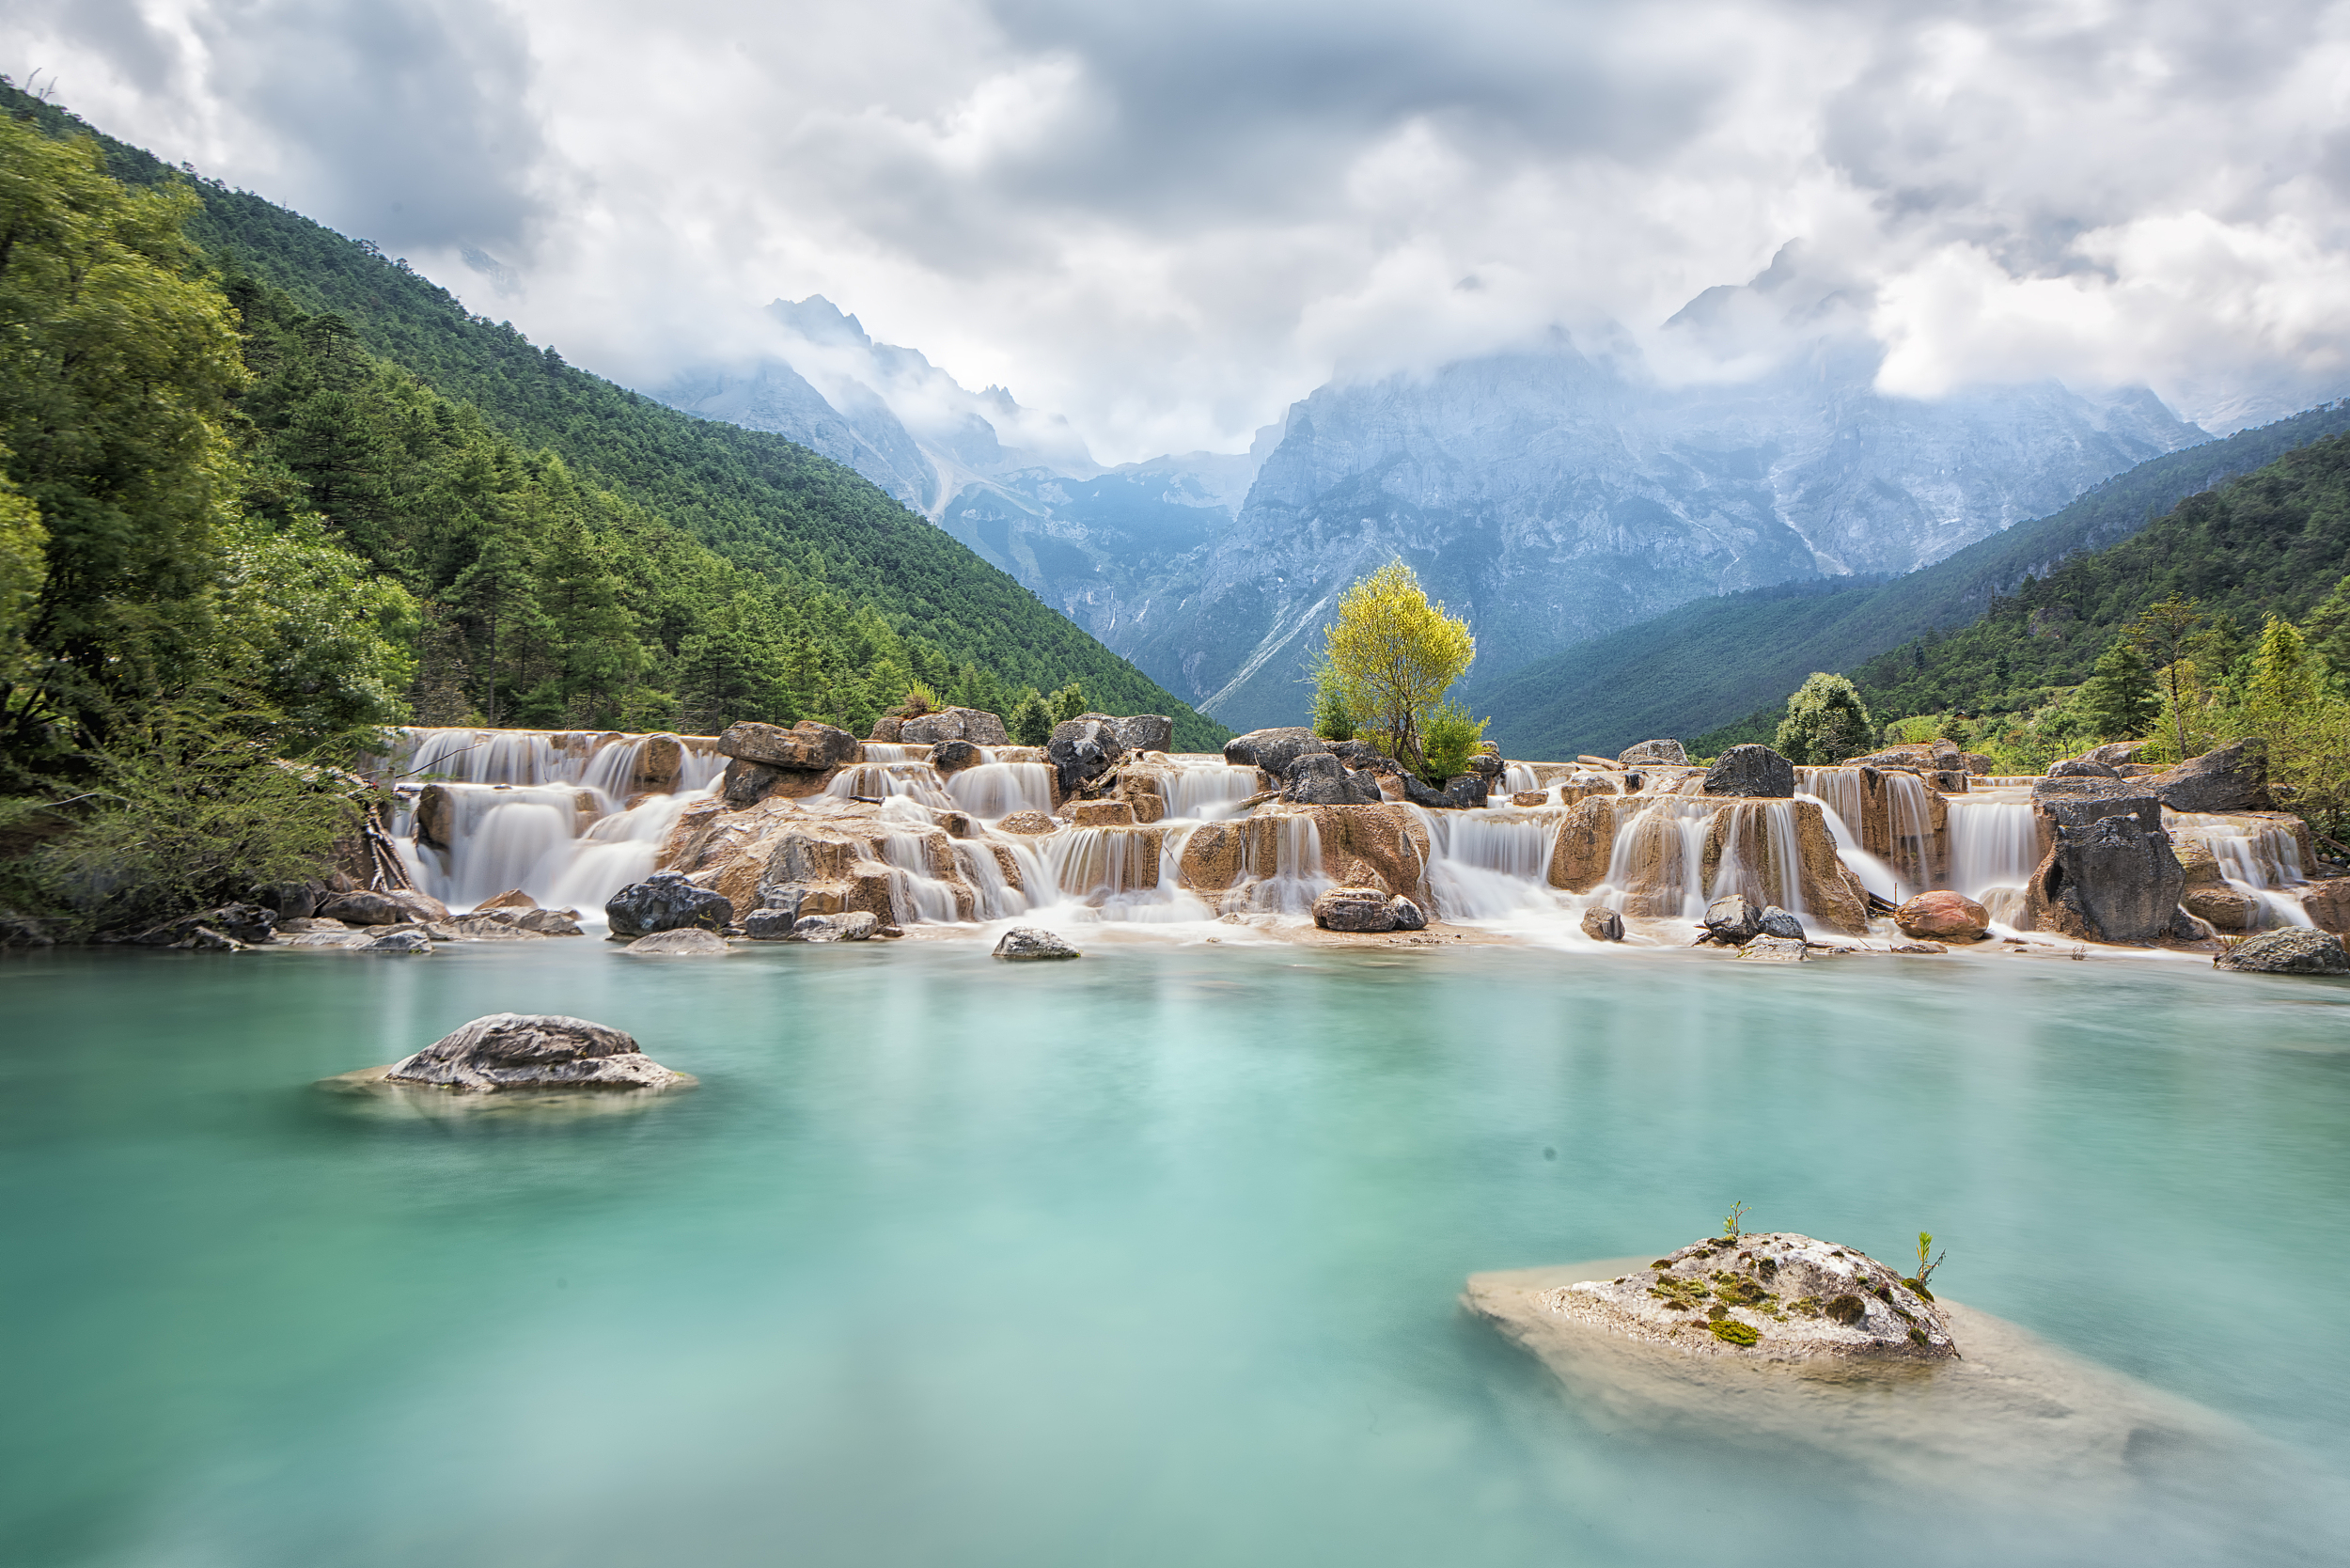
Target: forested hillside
{"type": "Point", "coordinates": [2272, 544]}
{"type": "Point", "coordinates": [736, 574]}
{"type": "Point", "coordinates": [1705, 663]}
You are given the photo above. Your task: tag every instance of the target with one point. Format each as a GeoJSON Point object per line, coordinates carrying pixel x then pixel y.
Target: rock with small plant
{"type": "Point", "coordinates": [1771, 1295]}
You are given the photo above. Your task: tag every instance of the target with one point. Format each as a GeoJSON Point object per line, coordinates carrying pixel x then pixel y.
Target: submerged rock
{"type": "Point", "coordinates": [1943, 917]}
{"type": "Point", "coordinates": [666, 901]}
{"type": "Point", "coordinates": [1775, 950]}
{"type": "Point", "coordinates": [1774, 1296]}
{"type": "Point", "coordinates": [681, 942]}
{"type": "Point", "coordinates": [513, 1050]}
{"type": "Point", "coordinates": [1354, 909]}
{"type": "Point", "coordinates": [489, 928]}
{"type": "Point", "coordinates": [1603, 925]}
{"type": "Point", "coordinates": [2293, 950]}
{"type": "Point", "coordinates": [368, 907]}
{"type": "Point", "coordinates": [1028, 944]}
{"type": "Point", "coordinates": [1754, 771]}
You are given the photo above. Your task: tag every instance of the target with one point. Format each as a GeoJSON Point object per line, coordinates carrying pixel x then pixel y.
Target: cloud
{"type": "Point", "coordinates": [1168, 221]}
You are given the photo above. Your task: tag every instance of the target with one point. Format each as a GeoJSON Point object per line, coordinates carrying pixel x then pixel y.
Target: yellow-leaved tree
{"type": "Point", "coordinates": [1389, 658]}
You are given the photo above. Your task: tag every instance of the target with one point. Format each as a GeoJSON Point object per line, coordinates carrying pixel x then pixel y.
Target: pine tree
{"type": "Point", "coordinates": [2120, 701]}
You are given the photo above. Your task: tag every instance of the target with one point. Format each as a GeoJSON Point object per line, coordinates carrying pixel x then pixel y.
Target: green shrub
{"type": "Point", "coordinates": [1449, 739]}
{"type": "Point", "coordinates": [1826, 723]}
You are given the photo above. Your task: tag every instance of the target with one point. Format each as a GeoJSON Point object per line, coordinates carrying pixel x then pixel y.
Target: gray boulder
{"type": "Point", "coordinates": [1488, 765]}
{"type": "Point", "coordinates": [954, 755]}
{"type": "Point", "coordinates": [976, 725]}
{"type": "Point", "coordinates": [1354, 909]}
{"type": "Point", "coordinates": [1654, 751]}
{"type": "Point", "coordinates": [1029, 945]}
{"type": "Point", "coordinates": [1467, 791]}
{"type": "Point", "coordinates": [1421, 795]}
{"type": "Point", "coordinates": [2293, 950]}
{"type": "Point", "coordinates": [808, 746]}
{"type": "Point", "coordinates": [1732, 921]}
{"type": "Point", "coordinates": [1768, 949]}
{"type": "Point", "coordinates": [2233, 777]}
{"type": "Point", "coordinates": [490, 928]}
{"type": "Point", "coordinates": [1321, 780]}
{"type": "Point", "coordinates": [1146, 732]}
{"type": "Point", "coordinates": [2082, 767]}
{"type": "Point", "coordinates": [1778, 923]}
{"type": "Point", "coordinates": [547, 922]}
{"type": "Point", "coordinates": [1274, 750]}
{"type": "Point", "coordinates": [2114, 753]}
{"type": "Point", "coordinates": [405, 940]}
{"type": "Point", "coordinates": [858, 925]}
{"type": "Point", "coordinates": [1602, 924]}
{"type": "Point", "coordinates": [744, 784]}
{"type": "Point", "coordinates": [666, 901]}
{"type": "Point", "coordinates": [2112, 876]}
{"type": "Point", "coordinates": [367, 907]}
{"type": "Point", "coordinates": [1408, 916]}
{"type": "Point", "coordinates": [291, 900]}
{"type": "Point", "coordinates": [1082, 749]}
{"type": "Point", "coordinates": [1363, 756]}
{"type": "Point", "coordinates": [1754, 771]}
{"type": "Point", "coordinates": [681, 942]}
{"type": "Point", "coordinates": [511, 1050]}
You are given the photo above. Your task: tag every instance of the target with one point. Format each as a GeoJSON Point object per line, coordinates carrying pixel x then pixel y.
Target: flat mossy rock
{"type": "Point", "coordinates": [1776, 1297]}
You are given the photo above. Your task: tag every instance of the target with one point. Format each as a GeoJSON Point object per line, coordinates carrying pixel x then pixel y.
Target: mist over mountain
{"type": "Point", "coordinates": [1548, 496]}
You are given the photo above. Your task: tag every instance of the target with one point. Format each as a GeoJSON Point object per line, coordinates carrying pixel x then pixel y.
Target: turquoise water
{"type": "Point", "coordinates": [1149, 1259]}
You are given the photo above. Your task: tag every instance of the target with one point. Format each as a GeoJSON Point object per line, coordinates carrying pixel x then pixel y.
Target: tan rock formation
{"type": "Point", "coordinates": [2207, 894]}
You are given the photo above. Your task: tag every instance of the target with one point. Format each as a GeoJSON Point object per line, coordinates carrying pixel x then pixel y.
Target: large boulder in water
{"type": "Point", "coordinates": [808, 746]}
{"type": "Point", "coordinates": [1771, 1297]}
{"type": "Point", "coordinates": [1321, 779]}
{"type": "Point", "coordinates": [666, 901]}
{"type": "Point", "coordinates": [1274, 750]}
{"type": "Point", "coordinates": [2110, 876]}
{"type": "Point", "coordinates": [1354, 909]}
{"type": "Point", "coordinates": [1733, 920]}
{"type": "Point", "coordinates": [1654, 751]}
{"type": "Point", "coordinates": [1752, 771]}
{"type": "Point", "coordinates": [1082, 749]}
{"type": "Point", "coordinates": [513, 1050]}
{"type": "Point", "coordinates": [1033, 945]}
{"type": "Point", "coordinates": [684, 942]}
{"type": "Point", "coordinates": [1943, 917]}
{"type": "Point", "coordinates": [976, 725]}
{"type": "Point", "coordinates": [2293, 950]}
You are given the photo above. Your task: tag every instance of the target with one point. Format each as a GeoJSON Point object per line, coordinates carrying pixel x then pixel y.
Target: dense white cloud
{"type": "Point", "coordinates": [1167, 221]}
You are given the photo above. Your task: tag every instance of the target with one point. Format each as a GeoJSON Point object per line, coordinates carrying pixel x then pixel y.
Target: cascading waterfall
{"type": "Point", "coordinates": [1839, 792]}
{"type": "Point", "coordinates": [994, 791]}
{"type": "Point", "coordinates": [1994, 846]}
{"type": "Point", "coordinates": [1206, 790]}
{"type": "Point", "coordinates": [1655, 865]}
{"type": "Point", "coordinates": [2259, 861]}
{"type": "Point", "coordinates": [1491, 865]}
{"type": "Point", "coordinates": [1761, 857]}
{"type": "Point", "coordinates": [916, 781]}
{"type": "Point", "coordinates": [544, 811]}
{"type": "Point", "coordinates": [1874, 874]}
{"type": "Point", "coordinates": [1909, 819]}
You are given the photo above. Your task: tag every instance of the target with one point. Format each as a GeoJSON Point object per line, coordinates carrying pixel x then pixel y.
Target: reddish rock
{"type": "Point", "coordinates": [1943, 917]}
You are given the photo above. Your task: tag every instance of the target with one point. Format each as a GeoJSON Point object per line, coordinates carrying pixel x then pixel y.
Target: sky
{"type": "Point", "coordinates": [1167, 221]}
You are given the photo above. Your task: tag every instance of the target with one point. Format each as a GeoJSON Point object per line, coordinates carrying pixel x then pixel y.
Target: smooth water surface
{"type": "Point", "coordinates": [1150, 1259]}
